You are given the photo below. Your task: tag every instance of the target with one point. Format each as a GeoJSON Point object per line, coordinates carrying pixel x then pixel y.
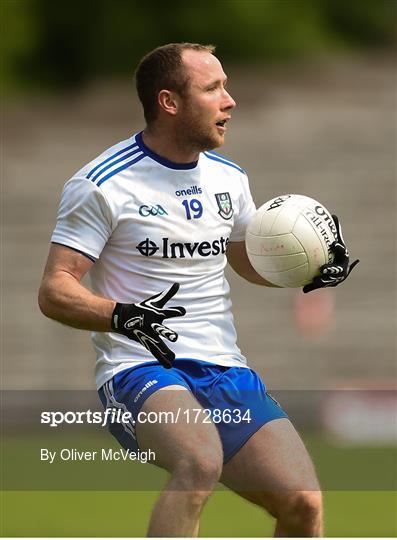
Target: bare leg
{"type": "Point", "coordinates": [176, 513]}
{"type": "Point", "coordinates": [196, 531]}
{"type": "Point", "coordinates": [274, 470]}
{"type": "Point", "coordinates": [191, 452]}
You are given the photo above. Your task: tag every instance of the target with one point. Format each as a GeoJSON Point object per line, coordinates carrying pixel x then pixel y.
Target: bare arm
{"type": "Point", "coordinates": [62, 296]}
{"type": "Point", "coordinates": [238, 260]}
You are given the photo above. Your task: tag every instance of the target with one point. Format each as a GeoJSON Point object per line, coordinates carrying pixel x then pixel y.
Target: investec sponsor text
{"type": "Point", "coordinates": [182, 250]}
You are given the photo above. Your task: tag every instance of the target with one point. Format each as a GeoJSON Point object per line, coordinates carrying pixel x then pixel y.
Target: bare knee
{"type": "Point", "coordinates": [306, 505]}
{"type": "Point", "coordinates": [199, 470]}
{"type": "Point", "coordinates": [302, 511]}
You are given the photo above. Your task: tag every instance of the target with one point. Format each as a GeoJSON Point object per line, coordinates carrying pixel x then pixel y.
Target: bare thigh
{"type": "Point", "coordinates": [272, 465]}
{"type": "Point", "coordinates": [178, 441]}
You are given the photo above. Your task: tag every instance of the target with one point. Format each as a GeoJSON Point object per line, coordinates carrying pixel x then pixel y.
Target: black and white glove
{"type": "Point", "coordinates": [143, 322]}
{"type": "Point", "coordinates": [334, 273]}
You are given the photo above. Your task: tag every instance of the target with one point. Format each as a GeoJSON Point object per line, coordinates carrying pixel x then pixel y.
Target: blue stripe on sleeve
{"type": "Point", "coordinates": [221, 159]}
{"type": "Point", "coordinates": [124, 166]}
{"type": "Point", "coordinates": [110, 158]}
{"type": "Point", "coordinates": [106, 167]}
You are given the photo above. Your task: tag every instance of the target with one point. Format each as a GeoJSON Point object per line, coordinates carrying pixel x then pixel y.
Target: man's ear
{"type": "Point", "coordinates": [168, 101]}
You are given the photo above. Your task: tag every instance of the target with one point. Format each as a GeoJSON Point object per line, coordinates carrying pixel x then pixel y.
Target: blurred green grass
{"type": "Point", "coordinates": [38, 52]}
{"type": "Point", "coordinates": [346, 475]}
{"type": "Point", "coordinates": [82, 513]}
{"type": "Point", "coordinates": [351, 468]}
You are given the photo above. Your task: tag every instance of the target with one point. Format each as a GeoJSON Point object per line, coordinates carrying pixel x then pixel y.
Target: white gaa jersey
{"type": "Point", "coordinates": [147, 223]}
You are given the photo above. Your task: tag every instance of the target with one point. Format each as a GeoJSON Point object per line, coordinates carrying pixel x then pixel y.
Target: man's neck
{"type": "Point", "coordinates": [166, 145]}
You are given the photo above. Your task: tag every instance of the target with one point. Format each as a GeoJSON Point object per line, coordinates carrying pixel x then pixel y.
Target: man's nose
{"type": "Point", "coordinates": [229, 101]}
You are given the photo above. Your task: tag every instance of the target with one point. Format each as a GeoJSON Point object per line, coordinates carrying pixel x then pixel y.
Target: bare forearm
{"type": "Point", "coordinates": [253, 277]}
{"type": "Point", "coordinates": [258, 280]}
{"type": "Point", "coordinates": [238, 259]}
{"type": "Point", "coordinates": [64, 299]}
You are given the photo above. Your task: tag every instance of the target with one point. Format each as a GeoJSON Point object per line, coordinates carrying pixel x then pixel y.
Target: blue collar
{"type": "Point", "coordinates": [160, 159]}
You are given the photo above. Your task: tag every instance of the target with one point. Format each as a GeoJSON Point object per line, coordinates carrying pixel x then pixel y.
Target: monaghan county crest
{"type": "Point", "coordinates": [225, 205]}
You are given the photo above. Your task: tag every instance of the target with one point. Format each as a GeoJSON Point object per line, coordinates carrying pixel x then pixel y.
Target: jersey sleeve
{"type": "Point", "coordinates": [84, 220]}
{"type": "Point", "coordinates": [246, 209]}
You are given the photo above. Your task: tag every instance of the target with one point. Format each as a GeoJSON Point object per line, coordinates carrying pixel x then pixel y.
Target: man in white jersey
{"type": "Point", "coordinates": [156, 216]}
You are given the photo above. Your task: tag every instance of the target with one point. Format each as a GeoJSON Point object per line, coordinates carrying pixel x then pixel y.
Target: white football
{"type": "Point", "coordinates": [289, 238]}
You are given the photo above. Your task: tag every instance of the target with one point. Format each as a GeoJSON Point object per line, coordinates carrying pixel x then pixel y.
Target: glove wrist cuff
{"type": "Point", "coordinates": [116, 316]}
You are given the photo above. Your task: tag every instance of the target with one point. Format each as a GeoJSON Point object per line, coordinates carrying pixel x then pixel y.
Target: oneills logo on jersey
{"type": "Point", "coordinates": [193, 190]}
{"type": "Point", "coordinates": [182, 250]}
{"type": "Point", "coordinates": [225, 205]}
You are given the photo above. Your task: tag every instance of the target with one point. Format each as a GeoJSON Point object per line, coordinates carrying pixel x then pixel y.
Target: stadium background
{"type": "Point", "coordinates": [316, 91]}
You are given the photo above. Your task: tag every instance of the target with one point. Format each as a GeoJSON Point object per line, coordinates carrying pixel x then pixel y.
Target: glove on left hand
{"type": "Point", "coordinates": [334, 273]}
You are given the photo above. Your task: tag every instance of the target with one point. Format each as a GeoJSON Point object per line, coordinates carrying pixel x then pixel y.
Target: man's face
{"type": "Point", "coordinates": [206, 107]}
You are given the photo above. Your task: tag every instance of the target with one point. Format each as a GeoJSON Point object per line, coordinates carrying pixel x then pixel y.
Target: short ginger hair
{"type": "Point", "coordinates": [163, 69]}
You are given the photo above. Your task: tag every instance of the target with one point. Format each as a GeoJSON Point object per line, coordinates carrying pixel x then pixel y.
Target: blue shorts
{"type": "Point", "coordinates": [234, 398]}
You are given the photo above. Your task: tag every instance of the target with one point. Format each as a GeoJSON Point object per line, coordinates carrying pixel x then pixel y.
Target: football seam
{"type": "Point", "coordinates": [272, 235]}
{"type": "Point", "coordinates": [288, 270]}
{"type": "Point", "coordinates": [317, 234]}
{"type": "Point", "coordinates": [277, 254]}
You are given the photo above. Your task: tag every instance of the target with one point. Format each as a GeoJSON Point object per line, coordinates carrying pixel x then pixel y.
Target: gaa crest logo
{"type": "Point", "coordinates": [225, 205]}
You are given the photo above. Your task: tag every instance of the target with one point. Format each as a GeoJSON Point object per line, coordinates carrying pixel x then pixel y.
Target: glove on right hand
{"type": "Point", "coordinates": [143, 322]}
